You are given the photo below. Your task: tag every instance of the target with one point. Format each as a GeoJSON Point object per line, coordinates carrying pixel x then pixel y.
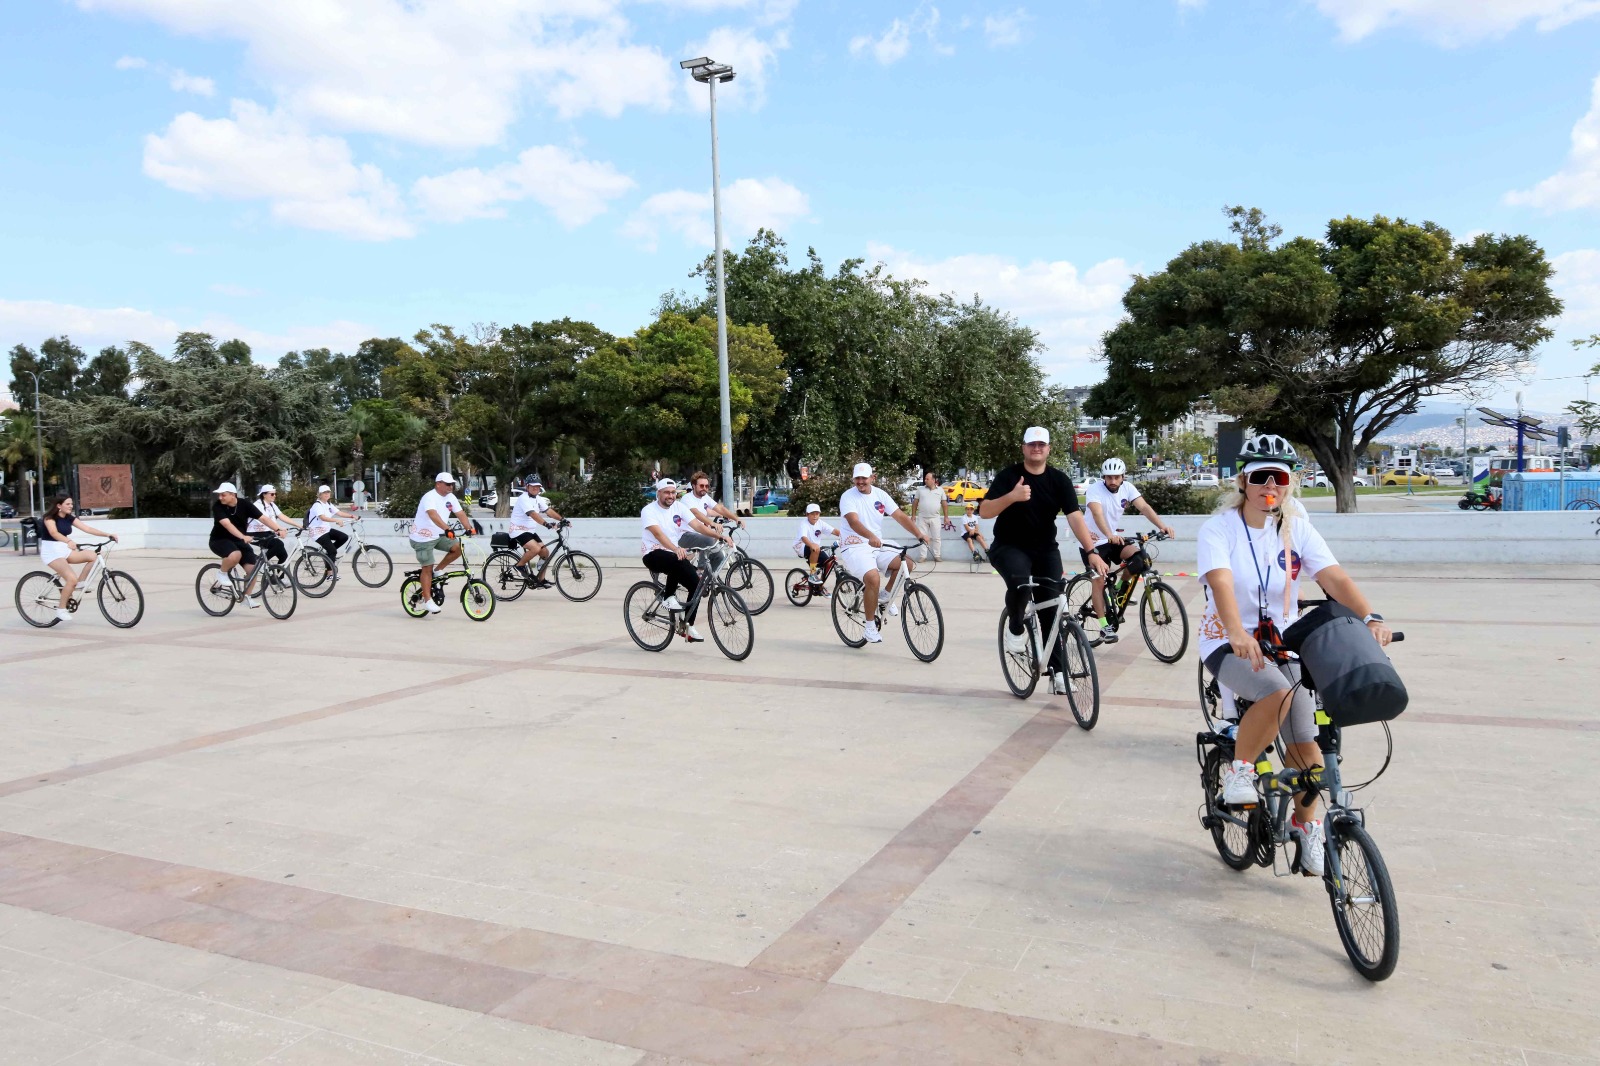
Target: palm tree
{"type": "Point", "coordinates": [18, 445]}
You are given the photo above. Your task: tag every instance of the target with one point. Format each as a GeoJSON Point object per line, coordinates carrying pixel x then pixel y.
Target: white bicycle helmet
{"type": "Point", "coordinates": [1269, 448]}
{"type": "Point", "coordinates": [1113, 466]}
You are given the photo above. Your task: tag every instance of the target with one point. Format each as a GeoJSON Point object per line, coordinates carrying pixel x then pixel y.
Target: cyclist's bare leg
{"type": "Point", "coordinates": [69, 580]}
{"type": "Point", "coordinates": [1260, 724]}
{"type": "Point", "coordinates": [869, 597]}
{"type": "Point", "coordinates": [894, 573]}
{"type": "Point", "coordinates": [528, 553]}
{"type": "Point", "coordinates": [542, 553]}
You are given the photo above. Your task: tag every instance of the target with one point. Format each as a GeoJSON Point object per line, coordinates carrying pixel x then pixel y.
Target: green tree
{"type": "Point", "coordinates": [1586, 413]}
{"type": "Point", "coordinates": [18, 449]}
{"type": "Point", "coordinates": [1325, 341]}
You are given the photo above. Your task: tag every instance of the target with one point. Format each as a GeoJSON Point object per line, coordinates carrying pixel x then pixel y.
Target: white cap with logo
{"type": "Point", "coordinates": [226, 486]}
{"type": "Point", "coordinates": [323, 488]}
{"type": "Point", "coordinates": [813, 508]}
{"type": "Point", "coordinates": [264, 489]}
{"type": "Point", "coordinates": [666, 483]}
{"type": "Point", "coordinates": [1036, 435]}
{"type": "Point", "coordinates": [862, 470]}
{"type": "Point", "coordinates": [445, 476]}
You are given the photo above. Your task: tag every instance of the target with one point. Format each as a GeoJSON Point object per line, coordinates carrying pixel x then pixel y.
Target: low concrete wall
{"type": "Point", "coordinates": [1447, 537]}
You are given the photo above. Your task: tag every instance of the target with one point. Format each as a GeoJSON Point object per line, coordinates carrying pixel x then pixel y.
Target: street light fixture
{"type": "Point", "coordinates": [38, 438]}
{"type": "Point", "coordinates": [710, 73]}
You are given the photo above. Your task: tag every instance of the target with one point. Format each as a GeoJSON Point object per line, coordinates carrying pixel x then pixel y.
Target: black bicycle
{"type": "Point", "coordinates": [1162, 617]}
{"type": "Point", "coordinates": [920, 617]}
{"type": "Point", "coordinates": [651, 622]}
{"type": "Point", "coordinates": [577, 574]}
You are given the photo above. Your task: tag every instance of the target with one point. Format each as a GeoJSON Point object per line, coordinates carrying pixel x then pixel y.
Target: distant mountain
{"type": "Point", "coordinates": [1435, 423]}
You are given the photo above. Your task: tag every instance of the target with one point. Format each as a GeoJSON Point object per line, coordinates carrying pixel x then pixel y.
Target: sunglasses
{"type": "Point", "coordinates": [1266, 477]}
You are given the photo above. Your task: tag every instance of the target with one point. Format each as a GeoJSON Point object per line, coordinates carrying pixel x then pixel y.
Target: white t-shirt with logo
{"type": "Point", "coordinates": [872, 507]}
{"type": "Point", "coordinates": [703, 504]}
{"type": "Point", "coordinates": [523, 510]}
{"type": "Point", "coordinates": [315, 525]}
{"type": "Point", "coordinates": [272, 511]}
{"type": "Point", "coordinates": [1114, 504]}
{"type": "Point", "coordinates": [969, 522]}
{"type": "Point", "coordinates": [815, 530]}
{"type": "Point", "coordinates": [423, 531]}
{"type": "Point", "coordinates": [1225, 542]}
{"type": "Point", "coordinates": [674, 522]}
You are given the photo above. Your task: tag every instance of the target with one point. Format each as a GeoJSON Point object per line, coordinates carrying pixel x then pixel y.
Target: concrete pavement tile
{"type": "Point", "coordinates": [265, 989]}
{"type": "Point", "coordinates": [952, 943]}
{"type": "Point", "coordinates": [29, 1040]}
{"type": "Point", "coordinates": [116, 1053]}
{"type": "Point", "coordinates": [442, 979]}
{"type": "Point", "coordinates": [396, 1021]}
{"type": "Point", "coordinates": [328, 1049]}
{"type": "Point", "coordinates": [702, 983]}
{"type": "Point", "coordinates": [59, 938]}
{"type": "Point", "coordinates": [577, 918]}
{"type": "Point", "coordinates": [915, 976]}
{"type": "Point", "coordinates": [493, 1041]}
{"type": "Point", "coordinates": [733, 944]}
{"type": "Point", "coordinates": [159, 963]}
{"type": "Point", "coordinates": [35, 984]}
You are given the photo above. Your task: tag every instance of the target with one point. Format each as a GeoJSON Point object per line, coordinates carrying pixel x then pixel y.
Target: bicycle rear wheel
{"type": "Point", "coordinates": [731, 626]}
{"type": "Point", "coordinates": [797, 586]}
{"type": "Point", "coordinates": [1163, 621]}
{"type": "Point", "coordinates": [372, 566]}
{"type": "Point", "coordinates": [278, 591]}
{"type": "Point", "coordinates": [849, 611]}
{"type": "Point", "coordinates": [578, 576]}
{"type": "Point", "coordinates": [1364, 908]}
{"type": "Point", "coordinates": [411, 597]}
{"type": "Point", "coordinates": [1083, 678]}
{"type": "Point", "coordinates": [649, 624]}
{"type": "Point", "coordinates": [501, 574]}
{"type": "Point", "coordinates": [314, 574]}
{"type": "Point", "coordinates": [751, 579]}
{"type": "Point", "coordinates": [1232, 841]}
{"type": "Point", "coordinates": [121, 599]}
{"type": "Point", "coordinates": [1021, 670]}
{"type": "Point", "coordinates": [214, 591]}
{"type": "Point", "coordinates": [477, 599]}
{"type": "Point", "coordinates": [923, 623]}
{"type": "Point", "coordinates": [38, 595]}
{"type": "Point", "coordinates": [1080, 606]}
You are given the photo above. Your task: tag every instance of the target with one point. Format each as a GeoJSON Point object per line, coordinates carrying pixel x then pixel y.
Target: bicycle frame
{"type": "Point", "coordinates": [1032, 609]}
{"type": "Point", "coordinates": [90, 581]}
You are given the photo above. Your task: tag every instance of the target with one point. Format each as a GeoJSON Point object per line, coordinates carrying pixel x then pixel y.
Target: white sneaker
{"type": "Point", "coordinates": [1313, 851]}
{"type": "Point", "coordinates": [431, 607]}
{"type": "Point", "coordinates": [1058, 683]}
{"type": "Point", "coordinates": [252, 601]}
{"type": "Point", "coordinates": [872, 634]}
{"type": "Point", "coordinates": [1108, 632]}
{"type": "Point", "coordinates": [894, 610]}
{"type": "Point", "coordinates": [219, 585]}
{"type": "Point", "coordinates": [692, 634]}
{"type": "Point", "coordinates": [671, 603]}
{"type": "Point", "coordinates": [1239, 783]}
{"type": "Point", "coordinates": [1016, 643]}
{"type": "Point", "coordinates": [63, 615]}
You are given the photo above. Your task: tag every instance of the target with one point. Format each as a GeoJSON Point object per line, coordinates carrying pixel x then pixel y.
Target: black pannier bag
{"type": "Point", "coordinates": [500, 540]}
{"type": "Point", "coordinates": [1343, 661]}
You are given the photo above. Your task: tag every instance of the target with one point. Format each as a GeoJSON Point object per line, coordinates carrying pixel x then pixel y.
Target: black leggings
{"type": "Point", "coordinates": [677, 572]}
{"type": "Point", "coordinates": [332, 541]}
{"type": "Point", "coordinates": [273, 548]}
{"type": "Point", "coordinates": [1015, 566]}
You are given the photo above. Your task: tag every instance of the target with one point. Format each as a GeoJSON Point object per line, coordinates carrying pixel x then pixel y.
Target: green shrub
{"type": "Point", "coordinates": [170, 502]}
{"type": "Point", "coordinates": [402, 493]}
{"type": "Point", "coordinates": [610, 493]}
{"type": "Point", "coordinates": [1169, 497]}
{"type": "Point", "coordinates": [296, 500]}
{"type": "Point", "coordinates": [823, 490]}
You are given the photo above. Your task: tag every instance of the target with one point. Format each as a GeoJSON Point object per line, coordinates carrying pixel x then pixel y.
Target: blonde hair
{"type": "Point", "coordinates": [1290, 510]}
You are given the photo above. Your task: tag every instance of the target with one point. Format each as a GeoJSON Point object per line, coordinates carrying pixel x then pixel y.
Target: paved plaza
{"type": "Point", "coordinates": [357, 838]}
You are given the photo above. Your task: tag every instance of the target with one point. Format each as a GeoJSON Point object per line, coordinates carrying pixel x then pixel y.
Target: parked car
{"type": "Point", "coordinates": [1404, 477]}
{"type": "Point", "coordinates": [962, 491]}
{"type": "Point", "coordinates": [1322, 481]}
{"type": "Point", "coordinates": [1202, 481]}
{"type": "Point", "coordinates": [7, 511]}
{"type": "Point", "coordinates": [770, 498]}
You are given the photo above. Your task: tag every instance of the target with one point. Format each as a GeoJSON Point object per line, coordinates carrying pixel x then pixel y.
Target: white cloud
{"type": "Point", "coordinates": [1006, 29]}
{"type": "Point", "coordinates": [747, 205]}
{"type": "Point", "coordinates": [1577, 282]}
{"type": "Point", "coordinates": [894, 44]}
{"type": "Point", "coordinates": [132, 63]}
{"type": "Point", "coordinates": [751, 57]}
{"type": "Point", "coordinates": [1069, 308]}
{"type": "Point", "coordinates": [1577, 184]}
{"type": "Point", "coordinates": [308, 180]}
{"type": "Point", "coordinates": [226, 289]}
{"type": "Point", "coordinates": [1452, 22]}
{"type": "Point", "coordinates": [179, 81]}
{"type": "Point", "coordinates": [574, 189]}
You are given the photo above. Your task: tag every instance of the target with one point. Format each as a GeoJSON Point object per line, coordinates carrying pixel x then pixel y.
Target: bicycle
{"type": "Point", "coordinates": [800, 586]}
{"type": "Point", "coordinates": [1081, 678]}
{"type": "Point", "coordinates": [978, 560]}
{"type": "Point", "coordinates": [1355, 876]}
{"type": "Point", "coordinates": [651, 624]}
{"type": "Point", "coordinates": [121, 601]}
{"type": "Point", "coordinates": [1163, 620]}
{"type": "Point", "coordinates": [308, 565]}
{"type": "Point", "coordinates": [747, 575]}
{"type": "Point", "coordinates": [920, 617]}
{"type": "Point", "coordinates": [219, 592]}
{"type": "Point", "coordinates": [477, 597]}
{"type": "Point", "coordinates": [578, 574]}
{"type": "Point", "coordinates": [315, 566]}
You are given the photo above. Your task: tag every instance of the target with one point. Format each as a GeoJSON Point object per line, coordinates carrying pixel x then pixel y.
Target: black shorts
{"type": "Point", "coordinates": [1111, 553]}
{"type": "Point", "coordinates": [521, 539]}
{"type": "Point", "coordinates": [970, 534]}
{"type": "Point", "coordinates": [222, 547]}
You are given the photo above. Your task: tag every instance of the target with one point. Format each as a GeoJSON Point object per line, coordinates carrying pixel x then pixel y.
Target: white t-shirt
{"type": "Point", "coordinates": [928, 501]}
{"type": "Point", "coordinates": [523, 510]}
{"type": "Point", "coordinates": [422, 528]}
{"type": "Point", "coordinates": [872, 507]}
{"type": "Point", "coordinates": [969, 522]}
{"type": "Point", "coordinates": [315, 525]}
{"type": "Point", "coordinates": [674, 522]}
{"type": "Point", "coordinates": [272, 511]}
{"type": "Point", "coordinates": [703, 504]}
{"type": "Point", "coordinates": [815, 530]}
{"type": "Point", "coordinates": [1114, 504]}
{"type": "Point", "coordinates": [1225, 542]}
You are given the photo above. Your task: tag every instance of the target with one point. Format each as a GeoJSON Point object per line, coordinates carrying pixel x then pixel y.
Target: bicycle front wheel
{"type": "Point", "coordinates": [1083, 678]}
{"type": "Point", "coordinates": [731, 626]}
{"type": "Point", "coordinates": [372, 566]}
{"type": "Point", "coordinates": [751, 579]}
{"type": "Point", "coordinates": [477, 599]}
{"type": "Point", "coordinates": [578, 576]}
{"type": "Point", "coordinates": [849, 611]}
{"type": "Point", "coordinates": [214, 591]}
{"type": "Point", "coordinates": [1164, 622]}
{"type": "Point", "coordinates": [923, 623]}
{"type": "Point", "coordinates": [1021, 669]}
{"type": "Point", "coordinates": [1364, 908]}
{"type": "Point", "coordinates": [649, 623]}
{"type": "Point", "coordinates": [501, 574]}
{"type": "Point", "coordinates": [121, 599]}
{"type": "Point", "coordinates": [1080, 606]}
{"type": "Point", "coordinates": [797, 586]}
{"type": "Point", "coordinates": [314, 575]}
{"type": "Point", "coordinates": [278, 591]}
{"type": "Point", "coordinates": [38, 595]}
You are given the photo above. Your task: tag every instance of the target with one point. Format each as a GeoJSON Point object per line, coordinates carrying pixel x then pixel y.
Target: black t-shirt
{"type": "Point", "coordinates": [1031, 524]}
{"type": "Point", "coordinates": [239, 514]}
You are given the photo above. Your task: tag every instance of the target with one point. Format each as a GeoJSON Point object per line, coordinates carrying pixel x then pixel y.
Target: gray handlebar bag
{"type": "Point", "coordinates": [1343, 661]}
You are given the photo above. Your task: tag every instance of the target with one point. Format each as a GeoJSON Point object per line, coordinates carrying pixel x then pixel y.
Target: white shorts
{"type": "Point", "coordinates": [858, 559]}
{"type": "Point", "coordinates": [51, 550]}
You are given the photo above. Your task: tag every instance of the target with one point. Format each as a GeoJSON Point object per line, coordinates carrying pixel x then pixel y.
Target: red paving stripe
{"type": "Point", "coordinates": [1576, 725]}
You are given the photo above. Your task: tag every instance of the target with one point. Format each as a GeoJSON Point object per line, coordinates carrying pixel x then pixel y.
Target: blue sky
{"type": "Point", "coordinates": [311, 172]}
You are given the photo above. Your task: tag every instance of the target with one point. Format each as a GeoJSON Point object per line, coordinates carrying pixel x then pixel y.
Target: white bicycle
{"type": "Point", "coordinates": [120, 598]}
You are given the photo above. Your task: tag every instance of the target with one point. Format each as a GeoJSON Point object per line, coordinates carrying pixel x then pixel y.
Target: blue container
{"type": "Point", "coordinates": [1543, 492]}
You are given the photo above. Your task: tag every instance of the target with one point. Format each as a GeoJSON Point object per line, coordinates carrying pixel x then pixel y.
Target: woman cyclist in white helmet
{"type": "Point", "coordinates": [1107, 500]}
{"type": "Point", "coordinates": [1252, 554]}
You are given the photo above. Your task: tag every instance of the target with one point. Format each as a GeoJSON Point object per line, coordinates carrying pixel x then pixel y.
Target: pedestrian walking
{"type": "Point", "coordinates": [932, 511]}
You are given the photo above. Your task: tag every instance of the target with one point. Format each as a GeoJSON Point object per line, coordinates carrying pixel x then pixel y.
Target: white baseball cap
{"type": "Point", "coordinates": [1035, 433]}
{"type": "Point", "coordinates": [813, 508]}
{"type": "Point", "coordinates": [226, 486]}
{"type": "Point", "coordinates": [445, 476]}
{"type": "Point", "coordinates": [666, 483]}
{"type": "Point", "coordinates": [862, 470]}
{"type": "Point", "coordinates": [264, 489]}
{"type": "Point", "coordinates": [323, 488]}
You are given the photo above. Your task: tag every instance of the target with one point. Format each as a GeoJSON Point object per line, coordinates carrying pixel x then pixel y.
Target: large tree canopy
{"type": "Point", "coordinates": [1325, 342]}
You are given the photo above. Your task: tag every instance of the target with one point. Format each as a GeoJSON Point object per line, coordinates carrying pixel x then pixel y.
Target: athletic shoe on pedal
{"type": "Point", "coordinates": [671, 603]}
{"type": "Point", "coordinates": [894, 610]}
{"type": "Point", "coordinates": [1239, 783]}
{"type": "Point", "coordinates": [543, 583]}
{"type": "Point", "coordinates": [63, 615]}
{"type": "Point", "coordinates": [1313, 852]}
{"type": "Point", "coordinates": [252, 602]}
{"type": "Point", "coordinates": [872, 634]}
{"type": "Point", "coordinates": [219, 585]}
{"type": "Point", "coordinates": [1058, 683]}
{"type": "Point", "coordinates": [431, 607]}
{"type": "Point", "coordinates": [1108, 633]}
{"type": "Point", "coordinates": [1016, 643]}
{"type": "Point", "coordinates": [692, 635]}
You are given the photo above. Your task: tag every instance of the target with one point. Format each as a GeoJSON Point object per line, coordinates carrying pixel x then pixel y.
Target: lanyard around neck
{"type": "Point", "coordinates": [1254, 558]}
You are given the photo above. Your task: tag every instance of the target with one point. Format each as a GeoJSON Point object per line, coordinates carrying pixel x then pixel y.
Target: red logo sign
{"type": "Point", "coordinates": [1085, 437]}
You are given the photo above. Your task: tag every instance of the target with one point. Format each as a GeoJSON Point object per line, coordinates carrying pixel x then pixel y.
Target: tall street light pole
{"type": "Point", "coordinates": [710, 74]}
{"type": "Point", "coordinates": [38, 441]}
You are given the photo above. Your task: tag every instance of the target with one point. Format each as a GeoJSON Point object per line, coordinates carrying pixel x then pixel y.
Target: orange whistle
{"type": "Point", "coordinates": [1272, 501]}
